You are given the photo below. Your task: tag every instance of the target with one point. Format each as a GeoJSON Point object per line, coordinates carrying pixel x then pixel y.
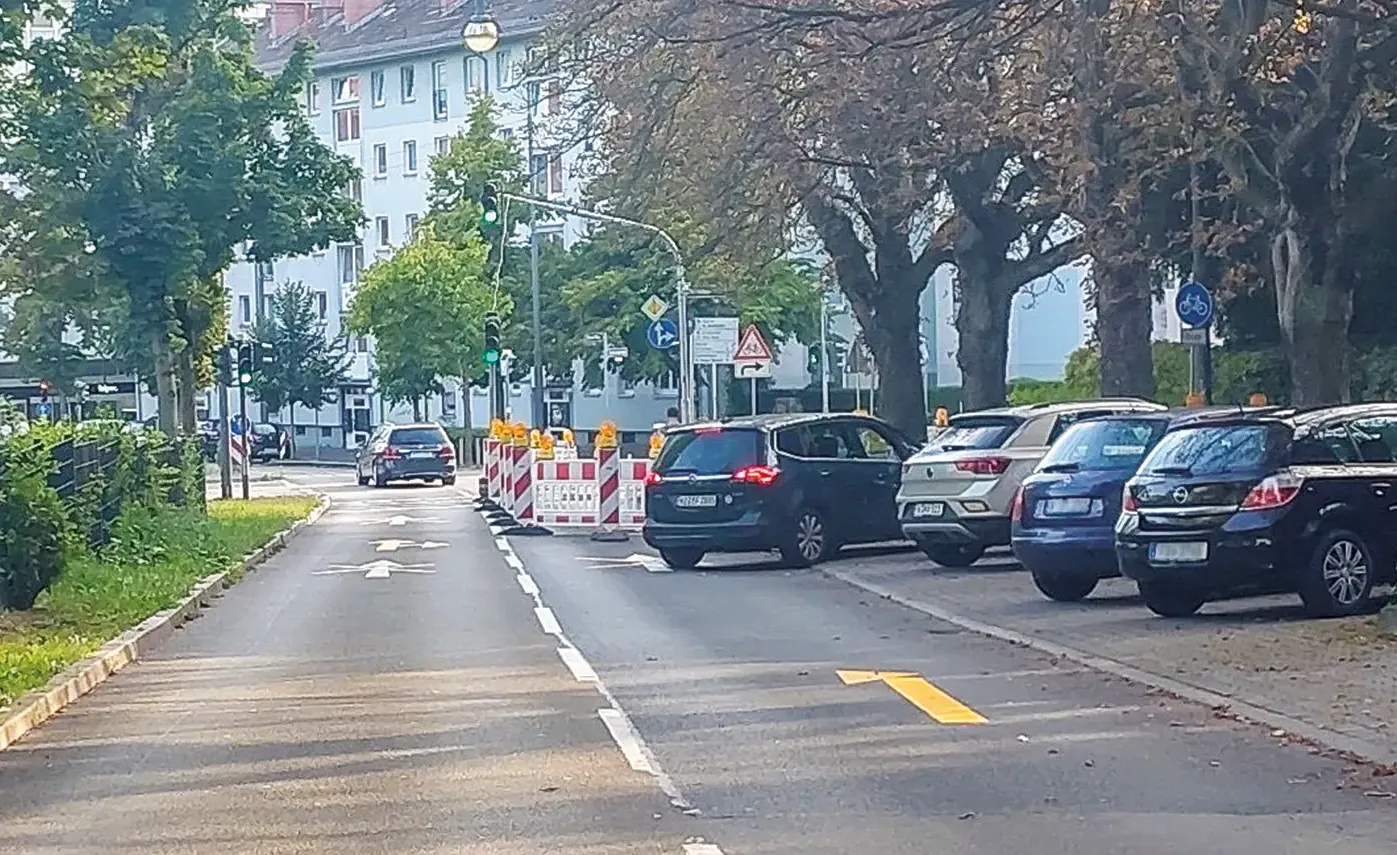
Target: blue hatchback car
{"type": "Point", "coordinates": [1064, 516]}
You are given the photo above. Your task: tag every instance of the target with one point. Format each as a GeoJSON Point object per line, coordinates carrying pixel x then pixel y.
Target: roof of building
{"type": "Point", "coordinates": [393, 29]}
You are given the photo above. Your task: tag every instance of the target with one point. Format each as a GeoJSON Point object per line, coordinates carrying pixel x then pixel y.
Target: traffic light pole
{"type": "Point", "coordinates": [824, 351]}
{"type": "Point", "coordinates": [686, 367]}
{"type": "Point", "coordinates": [225, 467]}
{"type": "Point", "coordinates": [247, 439]}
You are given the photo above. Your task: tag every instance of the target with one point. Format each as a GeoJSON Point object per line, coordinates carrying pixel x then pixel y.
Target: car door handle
{"type": "Point", "coordinates": [1381, 488]}
{"type": "Point", "coordinates": [826, 472]}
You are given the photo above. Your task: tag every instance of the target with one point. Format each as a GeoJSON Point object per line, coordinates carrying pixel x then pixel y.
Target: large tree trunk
{"type": "Point", "coordinates": [983, 305]}
{"type": "Point", "coordinates": [165, 394]}
{"type": "Point", "coordinates": [186, 391]}
{"type": "Point", "coordinates": [1123, 326]}
{"type": "Point", "coordinates": [1314, 304]}
{"type": "Point", "coordinates": [891, 327]}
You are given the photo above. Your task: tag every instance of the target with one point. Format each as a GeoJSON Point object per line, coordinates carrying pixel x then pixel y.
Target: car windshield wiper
{"type": "Point", "coordinates": [1172, 470]}
{"type": "Point", "coordinates": [1061, 467]}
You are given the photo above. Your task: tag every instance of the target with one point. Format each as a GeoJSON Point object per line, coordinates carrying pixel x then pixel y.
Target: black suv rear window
{"type": "Point", "coordinates": [417, 436]}
{"type": "Point", "coordinates": [1105, 444]}
{"type": "Point", "coordinates": [974, 433]}
{"type": "Point", "coordinates": [1219, 449]}
{"type": "Point", "coordinates": [710, 452]}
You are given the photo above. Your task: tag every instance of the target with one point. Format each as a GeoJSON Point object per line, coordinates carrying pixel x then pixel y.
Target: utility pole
{"type": "Point", "coordinates": [824, 351]}
{"type": "Point", "coordinates": [536, 403]}
{"type": "Point", "coordinates": [686, 368]}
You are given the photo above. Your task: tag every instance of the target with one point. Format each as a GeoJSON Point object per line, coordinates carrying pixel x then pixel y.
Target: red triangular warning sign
{"type": "Point", "coordinates": [752, 347]}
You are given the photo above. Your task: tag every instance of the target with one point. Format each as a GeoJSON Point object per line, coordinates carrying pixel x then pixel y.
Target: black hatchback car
{"type": "Point", "coordinates": [420, 452]}
{"type": "Point", "coordinates": [799, 484]}
{"type": "Point", "coordinates": [1286, 502]}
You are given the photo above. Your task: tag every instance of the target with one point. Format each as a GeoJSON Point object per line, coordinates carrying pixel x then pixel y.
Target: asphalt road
{"type": "Point", "coordinates": [319, 711]}
{"type": "Point", "coordinates": [748, 710]}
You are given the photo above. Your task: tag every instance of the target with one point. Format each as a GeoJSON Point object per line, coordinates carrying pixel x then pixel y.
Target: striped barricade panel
{"type": "Point", "coordinates": [565, 492]}
{"type": "Point", "coordinates": [633, 472]}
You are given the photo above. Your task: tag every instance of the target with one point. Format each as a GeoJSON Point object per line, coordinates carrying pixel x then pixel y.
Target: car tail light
{"type": "Point", "coordinates": [759, 475]}
{"type": "Point", "coordinates": [1016, 512]}
{"type": "Point", "coordinates": [446, 452]}
{"type": "Point", "coordinates": [984, 465]}
{"type": "Point", "coordinates": [1128, 505]}
{"type": "Point", "coordinates": [391, 453]}
{"type": "Point", "coordinates": [653, 478]}
{"type": "Point", "coordinates": [1273, 492]}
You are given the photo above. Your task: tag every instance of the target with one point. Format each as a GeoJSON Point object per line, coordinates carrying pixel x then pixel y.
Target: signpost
{"type": "Point", "coordinates": [1194, 306]}
{"type": "Point", "coordinates": [714, 343]}
{"type": "Point", "coordinates": [753, 359]}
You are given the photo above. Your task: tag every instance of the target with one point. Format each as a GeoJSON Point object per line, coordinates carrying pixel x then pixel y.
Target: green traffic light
{"type": "Point", "coordinates": [491, 217]}
{"type": "Point", "coordinates": [491, 357]}
{"type": "Point", "coordinates": [244, 378]}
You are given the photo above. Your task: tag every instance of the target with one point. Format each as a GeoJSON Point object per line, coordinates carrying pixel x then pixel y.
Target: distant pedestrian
{"type": "Point", "coordinates": [672, 416]}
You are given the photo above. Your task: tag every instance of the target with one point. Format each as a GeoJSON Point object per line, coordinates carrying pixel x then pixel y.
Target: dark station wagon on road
{"type": "Point", "coordinates": [1288, 502]}
{"type": "Point", "coordinates": [800, 484]}
{"type": "Point", "coordinates": [421, 452]}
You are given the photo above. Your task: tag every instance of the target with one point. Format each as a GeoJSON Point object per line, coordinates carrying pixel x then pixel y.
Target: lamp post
{"type": "Point", "coordinates": [481, 35]}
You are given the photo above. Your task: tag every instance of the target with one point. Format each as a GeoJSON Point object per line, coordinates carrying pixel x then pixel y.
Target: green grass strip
{"type": "Point", "coordinates": [155, 557]}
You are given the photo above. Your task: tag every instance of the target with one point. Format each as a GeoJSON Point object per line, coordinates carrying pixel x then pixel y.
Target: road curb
{"type": "Point", "coordinates": [36, 707]}
{"type": "Point", "coordinates": [1323, 737]}
{"type": "Point", "coordinates": [313, 464]}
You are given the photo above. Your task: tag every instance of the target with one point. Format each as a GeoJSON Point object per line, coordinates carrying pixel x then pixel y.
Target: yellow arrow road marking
{"type": "Point", "coordinates": [920, 693]}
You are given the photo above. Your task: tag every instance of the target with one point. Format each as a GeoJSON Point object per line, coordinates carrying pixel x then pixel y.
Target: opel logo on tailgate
{"type": "Point", "coordinates": [693, 479]}
{"type": "Point", "coordinates": [1180, 494]}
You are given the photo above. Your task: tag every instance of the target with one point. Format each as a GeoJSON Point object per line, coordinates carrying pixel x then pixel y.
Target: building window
{"type": "Point", "coordinates": [667, 382]}
{"type": "Point", "coordinates": [355, 190]}
{"type": "Point", "coordinates": [409, 157]}
{"type": "Point", "coordinates": [313, 97]}
{"type": "Point", "coordinates": [443, 144]}
{"type": "Point", "coordinates": [411, 221]}
{"type": "Point", "coordinates": [344, 90]}
{"type": "Point", "coordinates": [504, 69]}
{"type": "Point", "coordinates": [381, 223]}
{"type": "Point", "coordinates": [380, 159]}
{"type": "Point", "coordinates": [538, 174]}
{"type": "Point", "coordinates": [555, 97]}
{"type": "Point", "coordinates": [409, 83]}
{"type": "Point", "coordinates": [473, 69]}
{"type": "Point", "coordinates": [506, 133]}
{"type": "Point", "coordinates": [244, 309]}
{"type": "Point", "coordinates": [533, 92]}
{"type": "Point", "coordinates": [347, 124]}
{"type": "Point", "coordinates": [439, 103]}
{"type": "Point", "coordinates": [266, 307]}
{"type": "Point", "coordinates": [377, 87]}
{"type": "Point", "coordinates": [555, 173]}
{"type": "Point", "coordinates": [361, 344]}
{"type": "Point", "coordinates": [351, 261]}
{"type": "Point", "coordinates": [265, 271]}
{"type": "Point", "coordinates": [322, 304]}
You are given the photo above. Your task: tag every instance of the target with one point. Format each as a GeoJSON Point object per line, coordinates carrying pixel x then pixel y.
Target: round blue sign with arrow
{"type": "Point", "coordinates": [662, 334]}
{"type": "Point", "coordinates": [1194, 305]}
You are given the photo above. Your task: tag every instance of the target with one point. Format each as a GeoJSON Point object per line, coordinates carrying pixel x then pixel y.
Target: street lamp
{"type": "Point", "coordinates": [481, 33]}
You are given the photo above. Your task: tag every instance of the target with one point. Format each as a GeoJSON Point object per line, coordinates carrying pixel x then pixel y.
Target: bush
{"type": "Point", "coordinates": [33, 521]}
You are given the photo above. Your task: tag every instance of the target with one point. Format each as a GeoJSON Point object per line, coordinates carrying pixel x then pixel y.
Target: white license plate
{"type": "Point", "coordinates": [1179, 553]}
{"type": "Point", "coordinates": [422, 455]}
{"type": "Point", "coordinates": [709, 501]}
{"type": "Point", "coordinates": [1066, 507]}
{"type": "Point", "coordinates": [929, 509]}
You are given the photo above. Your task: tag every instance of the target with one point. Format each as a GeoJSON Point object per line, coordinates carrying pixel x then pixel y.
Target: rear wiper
{"type": "Point", "coordinates": [1061, 467]}
{"type": "Point", "coordinates": [1171, 470]}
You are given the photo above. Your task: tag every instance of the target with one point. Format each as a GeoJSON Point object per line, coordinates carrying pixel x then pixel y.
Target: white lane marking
{"type": "Point", "coordinates": [527, 584]}
{"type": "Point", "coordinates": [512, 560]}
{"type": "Point", "coordinates": [657, 566]}
{"type": "Point", "coordinates": [624, 733]}
{"type": "Point", "coordinates": [702, 849]}
{"type": "Point", "coordinates": [548, 620]}
{"type": "Point", "coordinates": [579, 666]}
{"type": "Point", "coordinates": [503, 544]}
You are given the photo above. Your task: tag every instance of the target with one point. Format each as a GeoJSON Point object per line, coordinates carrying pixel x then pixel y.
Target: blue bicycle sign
{"type": "Point", "coordinates": [1194, 305]}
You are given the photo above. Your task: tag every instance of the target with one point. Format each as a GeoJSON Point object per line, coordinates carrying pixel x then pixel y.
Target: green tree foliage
{"type": "Point", "coordinates": [309, 365]}
{"type": "Point", "coordinates": [151, 151]}
{"type": "Point", "coordinates": [425, 307]}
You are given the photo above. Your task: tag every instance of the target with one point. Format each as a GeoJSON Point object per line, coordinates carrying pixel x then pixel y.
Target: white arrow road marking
{"type": "Point", "coordinates": [402, 519]}
{"type": "Point", "coordinates": [380, 569]}
{"type": "Point", "coordinates": [393, 544]}
{"type": "Point", "coordinates": [650, 562]}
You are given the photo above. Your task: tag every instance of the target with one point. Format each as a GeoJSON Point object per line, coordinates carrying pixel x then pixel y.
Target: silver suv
{"type": "Point", "coordinates": [957, 492]}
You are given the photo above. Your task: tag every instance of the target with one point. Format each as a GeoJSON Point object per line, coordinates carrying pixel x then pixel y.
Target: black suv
{"type": "Point", "coordinates": [801, 484]}
{"type": "Point", "coordinates": [420, 452]}
{"type": "Point", "coordinates": [1288, 501]}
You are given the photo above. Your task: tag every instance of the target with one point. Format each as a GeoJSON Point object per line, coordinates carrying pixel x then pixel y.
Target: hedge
{"type": "Point", "coordinates": [63, 486]}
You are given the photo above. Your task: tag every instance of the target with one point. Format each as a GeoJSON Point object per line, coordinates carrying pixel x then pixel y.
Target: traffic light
{"type": "Point", "coordinates": [491, 354]}
{"type": "Point", "coordinates": [225, 365]}
{"type": "Point", "coordinates": [244, 363]}
{"type": "Point", "coordinates": [490, 206]}
{"type": "Point", "coordinates": [263, 355]}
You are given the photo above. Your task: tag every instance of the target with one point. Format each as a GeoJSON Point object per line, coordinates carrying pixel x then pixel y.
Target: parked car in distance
{"type": "Point", "coordinates": [417, 452]}
{"type": "Point", "coordinates": [269, 442]}
{"type": "Point", "coordinates": [957, 492]}
{"type": "Point", "coordinates": [1064, 516]}
{"type": "Point", "coordinates": [801, 484]}
{"type": "Point", "coordinates": [1285, 502]}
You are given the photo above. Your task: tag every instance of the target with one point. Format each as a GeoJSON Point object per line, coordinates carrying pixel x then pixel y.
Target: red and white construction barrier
{"type": "Point", "coordinates": [565, 492]}
{"type": "Point", "coordinates": [494, 479]}
{"type": "Point", "coordinates": [523, 488]}
{"type": "Point", "coordinates": [586, 493]}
